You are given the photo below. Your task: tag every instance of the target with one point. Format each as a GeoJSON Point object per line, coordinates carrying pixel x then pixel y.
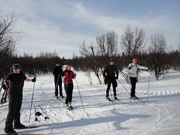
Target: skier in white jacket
{"type": "Point", "coordinates": [133, 74]}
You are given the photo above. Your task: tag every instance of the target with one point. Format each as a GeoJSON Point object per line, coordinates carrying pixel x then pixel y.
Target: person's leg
{"type": "Point", "coordinates": [133, 86]}
{"type": "Point", "coordinates": [60, 88]}
{"type": "Point", "coordinates": [114, 86]}
{"type": "Point", "coordinates": [17, 122]}
{"type": "Point", "coordinates": [67, 93]}
{"type": "Point", "coordinates": [70, 92]}
{"type": "Point", "coordinates": [11, 113]}
{"type": "Point", "coordinates": [108, 88]}
{"type": "Point", "coordinates": [56, 86]}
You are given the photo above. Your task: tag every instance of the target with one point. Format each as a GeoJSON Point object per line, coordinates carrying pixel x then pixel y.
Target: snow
{"type": "Point", "coordinates": [160, 115]}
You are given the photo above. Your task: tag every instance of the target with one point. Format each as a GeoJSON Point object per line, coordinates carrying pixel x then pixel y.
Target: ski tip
{"type": "Point", "coordinates": [69, 109]}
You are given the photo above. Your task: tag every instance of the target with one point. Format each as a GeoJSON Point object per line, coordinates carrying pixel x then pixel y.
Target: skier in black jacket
{"type": "Point", "coordinates": [111, 74]}
{"type": "Point", "coordinates": [57, 72]}
{"type": "Point", "coordinates": [15, 83]}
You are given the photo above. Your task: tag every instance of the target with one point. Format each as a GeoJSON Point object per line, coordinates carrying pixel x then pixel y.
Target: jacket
{"type": "Point", "coordinates": [133, 69]}
{"type": "Point", "coordinates": [110, 71]}
{"type": "Point", "coordinates": [16, 83]}
{"type": "Point", "coordinates": [69, 75]}
{"type": "Point", "coordinates": [57, 71]}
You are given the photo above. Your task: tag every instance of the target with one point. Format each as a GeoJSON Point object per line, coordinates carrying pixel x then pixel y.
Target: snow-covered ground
{"type": "Point", "coordinates": [159, 116]}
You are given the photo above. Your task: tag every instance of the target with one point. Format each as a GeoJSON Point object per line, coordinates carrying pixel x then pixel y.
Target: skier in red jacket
{"type": "Point", "coordinates": [68, 75]}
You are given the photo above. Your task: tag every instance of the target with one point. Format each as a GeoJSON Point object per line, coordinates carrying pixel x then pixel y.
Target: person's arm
{"type": "Point", "coordinates": [30, 80]}
{"type": "Point", "coordinates": [117, 73]}
{"type": "Point", "coordinates": [142, 67]}
{"type": "Point", "coordinates": [74, 75]}
{"type": "Point", "coordinates": [105, 72]}
{"type": "Point", "coordinates": [63, 75]}
{"type": "Point", "coordinates": [61, 72]}
{"type": "Point", "coordinates": [6, 83]}
{"type": "Point", "coordinates": [129, 68]}
{"type": "Point", "coordinates": [54, 71]}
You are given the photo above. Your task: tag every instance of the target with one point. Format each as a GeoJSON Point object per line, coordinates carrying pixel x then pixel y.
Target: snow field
{"type": "Point", "coordinates": [159, 116]}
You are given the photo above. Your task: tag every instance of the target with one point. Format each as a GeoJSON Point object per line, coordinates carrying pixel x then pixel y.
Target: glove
{"type": "Point", "coordinates": [4, 87]}
{"type": "Point", "coordinates": [34, 79]}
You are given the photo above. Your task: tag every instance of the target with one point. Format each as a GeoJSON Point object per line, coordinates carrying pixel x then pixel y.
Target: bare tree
{"type": "Point", "coordinates": [92, 62]}
{"type": "Point", "coordinates": [133, 41]}
{"type": "Point", "coordinates": [98, 55]}
{"type": "Point", "coordinates": [107, 47]}
{"type": "Point", "coordinates": [157, 54]}
{"type": "Point", "coordinates": [7, 42]}
{"type": "Point", "coordinates": [107, 44]}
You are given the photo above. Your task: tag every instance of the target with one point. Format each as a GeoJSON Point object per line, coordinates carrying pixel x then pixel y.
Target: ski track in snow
{"type": "Point", "coordinates": [159, 116]}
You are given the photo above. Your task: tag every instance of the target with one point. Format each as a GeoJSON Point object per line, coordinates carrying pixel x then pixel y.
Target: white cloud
{"type": "Point", "coordinates": [161, 24]}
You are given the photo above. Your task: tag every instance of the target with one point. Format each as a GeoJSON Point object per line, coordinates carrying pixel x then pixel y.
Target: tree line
{"type": "Point", "coordinates": [94, 57]}
{"type": "Point", "coordinates": [152, 53]}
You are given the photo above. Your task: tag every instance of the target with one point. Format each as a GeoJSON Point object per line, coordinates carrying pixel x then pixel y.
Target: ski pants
{"type": "Point", "coordinates": [114, 84]}
{"type": "Point", "coordinates": [58, 83]}
{"type": "Point", "coordinates": [133, 85]}
{"type": "Point", "coordinates": [15, 102]}
{"type": "Point", "coordinates": [69, 92]}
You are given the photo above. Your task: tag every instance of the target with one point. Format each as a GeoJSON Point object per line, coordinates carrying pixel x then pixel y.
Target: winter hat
{"type": "Point", "coordinates": [134, 59]}
{"type": "Point", "coordinates": [112, 60]}
{"type": "Point", "coordinates": [16, 66]}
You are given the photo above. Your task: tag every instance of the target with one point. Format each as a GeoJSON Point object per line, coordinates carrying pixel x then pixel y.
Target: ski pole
{"type": "Point", "coordinates": [31, 102]}
{"type": "Point", "coordinates": [126, 90]}
{"type": "Point", "coordinates": [36, 119]}
{"type": "Point", "coordinates": [148, 87]}
{"type": "Point", "coordinates": [80, 94]}
{"type": "Point", "coordinates": [123, 86]}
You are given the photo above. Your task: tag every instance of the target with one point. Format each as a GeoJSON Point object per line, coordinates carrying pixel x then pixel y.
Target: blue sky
{"type": "Point", "coordinates": [63, 25]}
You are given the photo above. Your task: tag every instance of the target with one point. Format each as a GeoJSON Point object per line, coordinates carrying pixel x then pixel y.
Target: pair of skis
{"type": "Point", "coordinates": [73, 112]}
{"type": "Point", "coordinates": [140, 100]}
{"type": "Point", "coordinates": [117, 100]}
{"type": "Point", "coordinates": [44, 125]}
{"type": "Point", "coordinates": [70, 109]}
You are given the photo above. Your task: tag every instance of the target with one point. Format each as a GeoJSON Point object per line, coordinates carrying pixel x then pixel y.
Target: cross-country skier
{"type": "Point", "coordinates": [15, 83]}
{"type": "Point", "coordinates": [111, 74]}
{"type": "Point", "coordinates": [68, 76]}
{"type": "Point", "coordinates": [57, 72]}
{"type": "Point", "coordinates": [133, 74]}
